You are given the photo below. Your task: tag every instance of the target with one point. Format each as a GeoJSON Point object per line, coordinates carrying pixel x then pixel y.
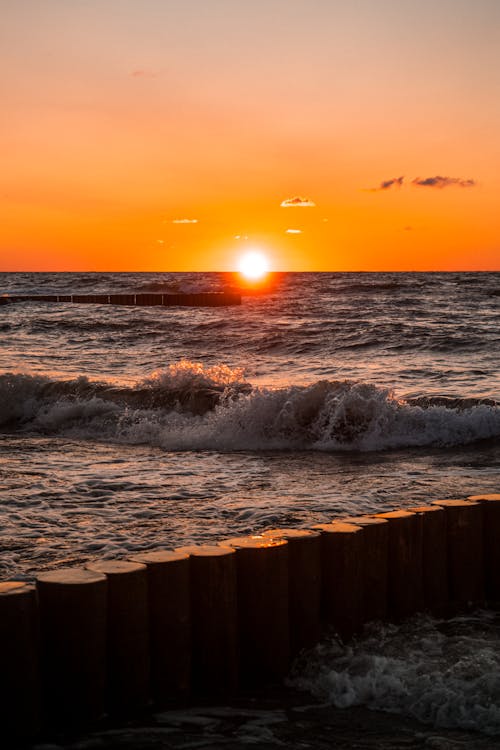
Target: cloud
{"type": "Point", "coordinates": [184, 221]}
{"type": "Point", "coordinates": [433, 182]}
{"type": "Point", "coordinates": [388, 184]}
{"type": "Point", "coordinates": [395, 182]}
{"type": "Point", "coordinates": [443, 182]}
{"type": "Point", "coordinates": [297, 202]}
{"type": "Point", "coordinates": [141, 73]}
{"type": "Point", "coordinates": [294, 231]}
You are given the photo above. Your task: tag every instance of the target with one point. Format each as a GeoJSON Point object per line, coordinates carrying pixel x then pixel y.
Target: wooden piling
{"type": "Point", "coordinates": [122, 299]}
{"type": "Point", "coordinates": [214, 619]}
{"type": "Point", "coordinates": [127, 634]}
{"type": "Point", "coordinates": [375, 540]}
{"type": "Point", "coordinates": [491, 541]}
{"type": "Point", "coordinates": [304, 585]}
{"type": "Point", "coordinates": [434, 558]}
{"type": "Point", "coordinates": [19, 665]}
{"type": "Point", "coordinates": [89, 299]}
{"type": "Point", "coordinates": [464, 523]}
{"type": "Point", "coordinates": [262, 575]}
{"type": "Point", "coordinates": [405, 563]}
{"type": "Point", "coordinates": [148, 299]}
{"type": "Point", "coordinates": [202, 299]}
{"type": "Point", "coordinates": [170, 623]}
{"type": "Point", "coordinates": [171, 300]}
{"type": "Point", "coordinates": [342, 576]}
{"type": "Point", "coordinates": [73, 645]}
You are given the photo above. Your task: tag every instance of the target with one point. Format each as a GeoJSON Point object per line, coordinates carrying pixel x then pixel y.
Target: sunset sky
{"type": "Point", "coordinates": [166, 134]}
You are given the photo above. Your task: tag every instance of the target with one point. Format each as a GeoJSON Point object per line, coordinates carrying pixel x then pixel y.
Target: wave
{"type": "Point", "coordinates": [188, 406]}
{"type": "Point", "coordinates": [129, 325]}
{"type": "Point", "coordinates": [188, 284]}
{"type": "Point", "coordinates": [160, 287]}
{"type": "Point", "coordinates": [370, 286]}
{"type": "Point", "coordinates": [441, 673]}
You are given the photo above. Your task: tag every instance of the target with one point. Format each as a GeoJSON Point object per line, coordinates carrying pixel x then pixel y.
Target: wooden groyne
{"type": "Point", "coordinates": [205, 621]}
{"type": "Point", "coordinates": [198, 299]}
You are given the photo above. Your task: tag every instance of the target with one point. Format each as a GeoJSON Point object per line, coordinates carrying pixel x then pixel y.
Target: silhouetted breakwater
{"type": "Point", "coordinates": [204, 621]}
{"type": "Point", "coordinates": [199, 299]}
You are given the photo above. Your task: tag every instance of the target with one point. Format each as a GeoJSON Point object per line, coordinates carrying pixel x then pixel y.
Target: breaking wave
{"type": "Point", "coordinates": [188, 406]}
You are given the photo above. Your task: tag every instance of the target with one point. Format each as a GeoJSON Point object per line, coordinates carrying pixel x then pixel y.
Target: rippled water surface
{"type": "Point", "coordinates": [322, 394]}
{"type": "Point", "coordinates": [432, 333]}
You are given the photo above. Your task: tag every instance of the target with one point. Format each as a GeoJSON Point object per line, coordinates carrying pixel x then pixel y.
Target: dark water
{"type": "Point", "coordinates": [126, 428]}
{"type": "Point", "coordinates": [326, 394]}
{"type": "Point", "coordinates": [417, 333]}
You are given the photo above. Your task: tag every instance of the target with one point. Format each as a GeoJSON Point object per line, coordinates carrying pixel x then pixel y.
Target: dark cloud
{"type": "Point", "coordinates": [433, 182]}
{"type": "Point", "coordinates": [442, 182]}
{"type": "Point", "coordinates": [388, 184]}
{"type": "Point", "coordinates": [297, 202]}
{"type": "Point", "coordinates": [395, 182]}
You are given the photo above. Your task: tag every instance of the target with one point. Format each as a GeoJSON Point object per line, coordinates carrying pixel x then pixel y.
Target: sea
{"type": "Point", "coordinates": [322, 395]}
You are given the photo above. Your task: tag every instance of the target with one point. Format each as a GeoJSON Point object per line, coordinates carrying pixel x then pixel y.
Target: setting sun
{"type": "Point", "coordinates": [253, 265]}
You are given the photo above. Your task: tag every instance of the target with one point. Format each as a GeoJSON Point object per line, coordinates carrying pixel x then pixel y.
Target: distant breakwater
{"type": "Point", "coordinates": [199, 299]}
{"type": "Point", "coordinates": [206, 621]}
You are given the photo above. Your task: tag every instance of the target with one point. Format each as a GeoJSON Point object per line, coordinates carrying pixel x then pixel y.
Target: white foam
{"type": "Point", "coordinates": [190, 407]}
{"type": "Point", "coordinates": [447, 675]}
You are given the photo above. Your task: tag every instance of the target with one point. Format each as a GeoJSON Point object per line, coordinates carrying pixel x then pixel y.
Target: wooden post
{"type": "Point", "coordinates": [73, 645]}
{"type": "Point", "coordinates": [375, 564]}
{"type": "Point", "coordinates": [405, 563]}
{"type": "Point", "coordinates": [342, 576]}
{"type": "Point", "coordinates": [304, 582]}
{"type": "Point", "coordinates": [464, 521]}
{"type": "Point", "coordinates": [262, 574]}
{"type": "Point", "coordinates": [214, 618]}
{"type": "Point", "coordinates": [122, 299]}
{"type": "Point", "coordinates": [19, 664]}
{"type": "Point", "coordinates": [434, 558]}
{"type": "Point", "coordinates": [491, 540]}
{"type": "Point", "coordinates": [148, 299]}
{"type": "Point", "coordinates": [170, 623]}
{"type": "Point", "coordinates": [127, 634]}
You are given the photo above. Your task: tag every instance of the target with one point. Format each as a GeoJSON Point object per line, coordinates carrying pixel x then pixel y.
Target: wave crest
{"type": "Point", "coordinates": [189, 406]}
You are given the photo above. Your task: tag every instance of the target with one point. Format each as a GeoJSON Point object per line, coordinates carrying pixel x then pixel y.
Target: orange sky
{"type": "Point", "coordinates": [120, 118]}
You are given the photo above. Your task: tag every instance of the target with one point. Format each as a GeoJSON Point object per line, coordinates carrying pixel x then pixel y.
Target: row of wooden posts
{"type": "Point", "coordinates": [202, 622]}
{"type": "Point", "coordinates": [199, 299]}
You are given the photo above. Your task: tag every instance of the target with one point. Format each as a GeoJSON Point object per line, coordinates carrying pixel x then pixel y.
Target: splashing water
{"type": "Point", "coordinates": [444, 673]}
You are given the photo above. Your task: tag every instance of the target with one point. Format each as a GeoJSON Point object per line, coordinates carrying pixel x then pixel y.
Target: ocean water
{"type": "Point", "coordinates": [322, 395]}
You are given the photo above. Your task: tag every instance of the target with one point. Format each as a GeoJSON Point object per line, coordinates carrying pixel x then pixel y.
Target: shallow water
{"type": "Point", "coordinates": [445, 673]}
{"type": "Point", "coordinates": [77, 500]}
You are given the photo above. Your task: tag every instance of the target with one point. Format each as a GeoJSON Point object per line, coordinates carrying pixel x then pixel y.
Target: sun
{"type": "Point", "coordinates": [253, 265]}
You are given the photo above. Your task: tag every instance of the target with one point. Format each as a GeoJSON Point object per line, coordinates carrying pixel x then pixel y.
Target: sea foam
{"type": "Point", "coordinates": [443, 673]}
{"type": "Point", "coordinates": [187, 406]}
